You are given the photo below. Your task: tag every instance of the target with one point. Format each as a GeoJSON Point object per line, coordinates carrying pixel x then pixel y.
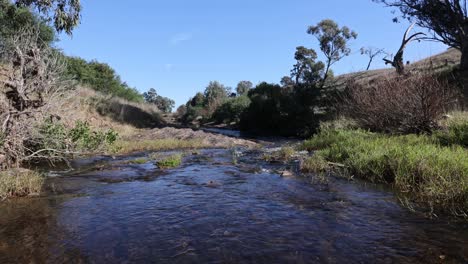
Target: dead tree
{"type": "Point", "coordinates": [372, 53]}
{"type": "Point", "coordinates": [34, 79]}
{"type": "Point", "coordinates": [397, 61]}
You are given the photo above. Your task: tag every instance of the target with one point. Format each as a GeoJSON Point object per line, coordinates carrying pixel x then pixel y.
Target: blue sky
{"type": "Point", "coordinates": [179, 46]}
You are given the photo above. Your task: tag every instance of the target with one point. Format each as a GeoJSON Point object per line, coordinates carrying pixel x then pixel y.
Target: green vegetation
{"type": "Point", "coordinates": [316, 164]}
{"type": "Point", "coordinates": [434, 175]}
{"type": "Point", "coordinates": [64, 14]}
{"type": "Point", "coordinates": [20, 182]}
{"type": "Point", "coordinates": [14, 19]}
{"type": "Point", "coordinates": [455, 131]}
{"type": "Point", "coordinates": [231, 110]}
{"type": "Point", "coordinates": [169, 162]}
{"type": "Point", "coordinates": [285, 154]}
{"type": "Point", "coordinates": [54, 137]}
{"type": "Point", "coordinates": [128, 146]}
{"type": "Point", "coordinates": [162, 103]}
{"type": "Point", "coordinates": [102, 78]}
{"type": "Point", "coordinates": [293, 109]}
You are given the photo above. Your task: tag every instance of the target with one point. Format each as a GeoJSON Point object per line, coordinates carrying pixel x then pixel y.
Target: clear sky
{"type": "Point", "coordinates": [179, 46]}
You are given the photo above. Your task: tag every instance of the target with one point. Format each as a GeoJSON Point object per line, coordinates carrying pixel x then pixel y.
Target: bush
{"type": "Point", "coordinates": [434, 175]}
{"type": "Point", "coordinates": [55, 141]}
{"type": "Point", "coordinates": [411, 104]}
{"type": "Point", "coordinates": [102, 78]}
{"type": "Point", "coordinates": [231, 111]}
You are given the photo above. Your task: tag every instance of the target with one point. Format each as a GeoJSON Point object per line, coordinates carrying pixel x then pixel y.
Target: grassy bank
{"type": "Point", "coordinates": [19, 183]}
{"type": "Point", "coordinates": [127, 146]}
{"type": "Point", "coordinates": [430, 172]}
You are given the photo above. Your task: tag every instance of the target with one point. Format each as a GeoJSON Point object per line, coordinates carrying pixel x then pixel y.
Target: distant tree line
{"type": "Point", "coordinates": [293, 108]}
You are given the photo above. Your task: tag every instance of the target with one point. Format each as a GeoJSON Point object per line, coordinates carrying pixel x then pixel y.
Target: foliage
{"type": "Point", "coordinates": [434, 175]}
{"type": "Point", "coordinates": [163, 103]}
{"type": "Point", "coordinates": [64, 13]}
{"type": "Point", "coordinates": [231, 111]}
{"type": "Point", "coordinates": [307, 70]}
{"type": "Point", "coordinates": [333, 42]}
{"type": "Point", "coordinates": [101, 77]}
{"type": "Point", "coordinates": [13, 19]}
{"type": "Point", "coordinates": [54, 137]}
{"type": "Point", "coordinates": [86, 139]}
{"type": "Point", "coordinates": [243, 87]}
{"type": "Point", "coordinates": [215, 95]}
{"type": "Point", "coordinates": [172, 161]}
{"type": "Point", "coordinates": [204, 105]}
{"type": "Point", "coordinates": [275, 110]}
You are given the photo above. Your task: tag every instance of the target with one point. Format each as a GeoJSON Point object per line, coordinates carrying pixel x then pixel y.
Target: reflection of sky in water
{"type": "Point", "coordinates": [210, 210]}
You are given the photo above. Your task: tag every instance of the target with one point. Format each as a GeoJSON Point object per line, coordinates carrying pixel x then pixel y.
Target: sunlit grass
{"type": "Point", "coordinates": [419, 165]}
{"type": "Point", "coordinates": [20, 183]}
{"type": "Point", "coordinates": [169, 162]}
{"type": "Point", "coordinates": [125, 147]}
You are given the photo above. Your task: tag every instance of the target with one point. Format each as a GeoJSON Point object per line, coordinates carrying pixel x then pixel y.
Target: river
{"type": "Point", "coordinates": [217, 209]}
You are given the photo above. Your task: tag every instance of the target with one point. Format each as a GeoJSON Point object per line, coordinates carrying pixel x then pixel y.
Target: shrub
{"type": "Point", "coordinates": [55, 141]}
{"type": "Point", "coordinates": [399, 104]}
{"type": "Point", "coordinates": [231, 110]}
{"type": "Point", "coordinates": [172, 161]}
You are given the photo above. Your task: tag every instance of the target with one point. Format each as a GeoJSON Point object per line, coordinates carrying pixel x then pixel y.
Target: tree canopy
{"type": "Point", "coordinates": [333, 41]}
{"type": "Point", "coordinates": [162, 103]}
{"type": "Point", "coordinates": [64, 14]}
{"type": "Point", "coordinates": [13, 19]}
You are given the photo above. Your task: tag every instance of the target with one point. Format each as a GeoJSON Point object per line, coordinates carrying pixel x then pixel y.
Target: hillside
{"type": "Point", "coordinates": [444, 60]}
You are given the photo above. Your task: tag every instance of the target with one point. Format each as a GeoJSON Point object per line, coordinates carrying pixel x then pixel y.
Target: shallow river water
{"type": "Point", "coordinates": [214, 210]}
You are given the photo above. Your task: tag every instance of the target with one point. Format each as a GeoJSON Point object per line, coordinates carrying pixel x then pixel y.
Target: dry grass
{"type": "Point", "coordinates": [20, 183]}
{"type": "Point", "coordinates": [83, 104]}
{"type": "Point", "coordinates": [451, 57]}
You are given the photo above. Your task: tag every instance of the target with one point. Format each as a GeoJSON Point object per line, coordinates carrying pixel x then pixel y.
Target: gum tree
{"type": "Point", "coordinates": [333, 42]}
{"type": "Point", "coordinates": [65, 14]}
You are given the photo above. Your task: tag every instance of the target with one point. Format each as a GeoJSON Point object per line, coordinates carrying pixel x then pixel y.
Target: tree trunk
{"type": "Point", "coordinates": [464, 68]}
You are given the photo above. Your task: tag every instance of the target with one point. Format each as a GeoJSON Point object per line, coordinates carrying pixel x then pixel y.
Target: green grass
{"type": "Point", "coordinates": [455, 130]}
{"type": "Point", "coordinates": [126, 147]}
{"type": "Point", "coordinates": [315, 164]}
{"type": "Point", "coordinates": [431, 173]}
{"type": "Point", "coordinates": [169, 162]}
{"type": "Point", "coordinates": [20, 183]}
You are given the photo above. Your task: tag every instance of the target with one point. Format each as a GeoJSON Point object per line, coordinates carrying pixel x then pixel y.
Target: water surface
{"type": "Point", "coordinates": [214, 210]}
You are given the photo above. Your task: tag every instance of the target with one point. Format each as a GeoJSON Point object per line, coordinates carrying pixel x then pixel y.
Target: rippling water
{"type": "Point", "coordinates": [212, 211]}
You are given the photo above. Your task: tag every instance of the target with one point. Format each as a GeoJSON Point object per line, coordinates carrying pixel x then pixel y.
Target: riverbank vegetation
{"type": "Point", "coordinates": [54, 108]}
